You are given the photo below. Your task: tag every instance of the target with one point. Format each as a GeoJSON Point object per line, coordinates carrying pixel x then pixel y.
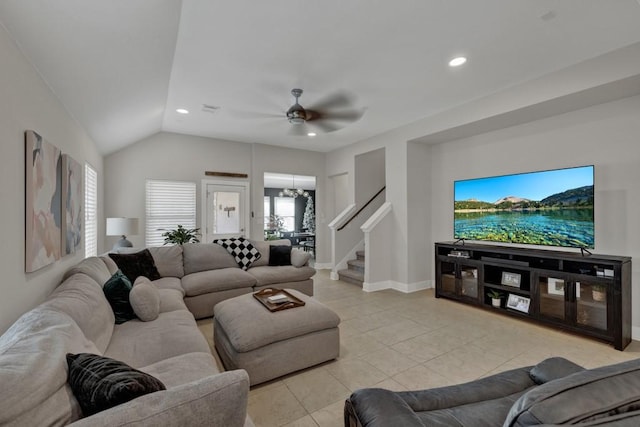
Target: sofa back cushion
{"type": "Point", "coordinates": [583, 396]}
{"type": "Point", "coordinates": [263, 246]}
{"type": "Point", "coordinates": [33, 369]}
{"type": "Point", "coordinates": [93, 267]}
{"type": "Point", "coordinates": [206, 256]}
{"type": "Point", "coordinates": [83, 300]}
{"type": "Point", "coordinates": [168, 260]}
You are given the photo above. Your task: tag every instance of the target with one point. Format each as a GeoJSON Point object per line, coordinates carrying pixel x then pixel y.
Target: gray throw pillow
{"type": "Point", "coordinates": [145, 299]}
{"type": "Point", "coordinates": [299, 258]}
{"type": "Point", "coordinates": [100, 383]}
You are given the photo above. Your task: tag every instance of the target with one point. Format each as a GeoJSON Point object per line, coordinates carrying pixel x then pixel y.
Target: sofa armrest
{"type": "Point", "coordinates": [488, 388]}
{"type": "Point", "coordinates": [216, 400]}
{"type": "Point", "coordinates": [553, 368]}
{"type": "Point", "coordinates": [376, 407]}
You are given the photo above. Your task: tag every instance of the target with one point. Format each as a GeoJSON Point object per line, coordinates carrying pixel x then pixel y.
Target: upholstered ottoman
{"type": "Point", "coordinates": [271, 344]}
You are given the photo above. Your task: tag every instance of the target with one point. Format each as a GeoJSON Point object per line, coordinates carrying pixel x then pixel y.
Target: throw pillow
{"type": "Point", "coordinates": [117, 291]}
{"type": "Point", "coordinates": [145, 299]}
{"type": "Point", "coordinates": [100, 383]}
{"type": "Point", "coordinates": [137, 264]}
{"type": "Point", "coordinates": [242, 250]}
{"type": "Point", "coordinates": [299, 258]}
{"type": "Point", "coordinates": [279, 255]}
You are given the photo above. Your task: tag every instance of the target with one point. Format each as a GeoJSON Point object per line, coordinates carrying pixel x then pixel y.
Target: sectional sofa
{"type": "Point", "coordinates": [77, 318]}
{"type": "Point", "coordinates": [209, 274]}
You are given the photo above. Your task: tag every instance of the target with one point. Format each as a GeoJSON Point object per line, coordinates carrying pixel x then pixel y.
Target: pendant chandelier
{"type": "Point", "coordinates": [293, 191]}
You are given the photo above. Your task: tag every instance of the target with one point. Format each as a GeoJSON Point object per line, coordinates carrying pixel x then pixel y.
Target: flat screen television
{"type": "Point", "coordinates": [552, 207]}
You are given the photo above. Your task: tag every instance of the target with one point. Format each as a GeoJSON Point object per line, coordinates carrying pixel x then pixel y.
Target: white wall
{"type": "Point", "coordinates": [165, 156]}
{"type": "Point", "coordinates": [369, 175]}
{"type": "Point", "coordinates": [605, 136]}
{"type": "Point", "coordinates": [28, 104]}
{"type": "Point", "coordinates": [183, 157]}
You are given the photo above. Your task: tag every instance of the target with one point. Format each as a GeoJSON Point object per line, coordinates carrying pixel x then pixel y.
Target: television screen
{"type": "Point", "coordinates": [553, 207]}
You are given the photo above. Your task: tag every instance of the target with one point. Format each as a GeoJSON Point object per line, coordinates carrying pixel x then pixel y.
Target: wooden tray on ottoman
{"type": "Point", "coordinates": [288, 302]}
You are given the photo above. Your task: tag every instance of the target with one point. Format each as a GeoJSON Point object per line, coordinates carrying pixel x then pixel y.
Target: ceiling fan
{"type": "Point", "coordinates": [327, 115]}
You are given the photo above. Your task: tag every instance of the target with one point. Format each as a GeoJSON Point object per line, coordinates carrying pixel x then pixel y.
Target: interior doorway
{"type": "Point", "coordinates": [289, 209]}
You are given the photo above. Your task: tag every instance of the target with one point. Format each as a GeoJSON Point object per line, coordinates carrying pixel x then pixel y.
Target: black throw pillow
{"type": "Point", "coordinates": [117, 291]}
{"type": "Point", "coordinates": [100, 383]}
{"type": "Point", "coordinates": [137, 264]}
{"type": "Point", "coordinates": [279, 255]}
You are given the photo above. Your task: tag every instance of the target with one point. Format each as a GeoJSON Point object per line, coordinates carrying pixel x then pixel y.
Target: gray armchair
{"type": "Point", "coordinates": [484, 402]}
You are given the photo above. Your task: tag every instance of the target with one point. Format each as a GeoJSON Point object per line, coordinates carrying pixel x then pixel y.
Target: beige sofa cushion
{"type": "Point", "coordinates": [168, 260]}
{"type": "Point", "coordinates": [111, 264]}
{"type": "Point", "coordinates": [140, 343]}
{"type": "Point", "coordinates": [33, 369]}
{"type": "Point", "coordinates": [169, 283]}
{"type": "Point", "coordinates": [271, 275]}
{"type": "Point", "coordinates": [83, 300]}
{"type": "Point", "coordinates": [299, 257]}
{"type": "Point", "coordinates": [263, 247]}
{"type": "Point", "coordinates": [93, 267]}
{"type": "Point", "coordinates": [183, 369]}
{"type": "Point", "coordinates": [216, 280]}
{"type": "Point", "coordinates": [206, 256]}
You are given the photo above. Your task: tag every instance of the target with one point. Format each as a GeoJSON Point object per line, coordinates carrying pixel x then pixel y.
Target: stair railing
{"type": "Point", "coordinates": [362, 208]}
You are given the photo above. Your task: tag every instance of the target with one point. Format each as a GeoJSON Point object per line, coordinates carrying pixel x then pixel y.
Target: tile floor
{"type": "Point", "coordinates": [409, 341]}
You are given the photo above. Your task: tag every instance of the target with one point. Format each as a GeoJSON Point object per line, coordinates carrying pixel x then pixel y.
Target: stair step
{"type": "Point", "coordinates": [351, 276]}
{"type": "Point", "coordinates": [356, 264]}
{"type": "Point", "coordinates": [360, 255]}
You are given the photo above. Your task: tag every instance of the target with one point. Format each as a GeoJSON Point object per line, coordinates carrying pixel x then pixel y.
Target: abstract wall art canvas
{"type": "Point", "coordinates": [43, 194]}
{"type": "Point", "coordinates": [72, 212]}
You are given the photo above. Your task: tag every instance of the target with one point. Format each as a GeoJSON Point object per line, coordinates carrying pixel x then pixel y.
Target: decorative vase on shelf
{"type": "Point", "coordinates": [495, 302]}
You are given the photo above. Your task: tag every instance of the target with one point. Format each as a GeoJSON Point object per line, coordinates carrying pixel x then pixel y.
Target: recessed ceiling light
{"type": "Point", "coordinates": [311, 134]}
{"type": "Point", "coordinates": [456, 62]}
{"type": "Point", "coordinates": [182, 111]}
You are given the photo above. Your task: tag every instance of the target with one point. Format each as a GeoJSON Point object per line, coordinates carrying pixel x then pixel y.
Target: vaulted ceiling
{"type": "Point", "coordinates": [123, 67]}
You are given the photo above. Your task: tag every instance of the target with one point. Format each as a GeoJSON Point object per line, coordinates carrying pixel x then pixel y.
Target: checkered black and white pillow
{"type": "Point", "coordinates": [243, 251]}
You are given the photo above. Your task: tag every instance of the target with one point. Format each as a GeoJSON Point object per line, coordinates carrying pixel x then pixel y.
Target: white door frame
{"type": "Point", "coordinates": [203, 204]}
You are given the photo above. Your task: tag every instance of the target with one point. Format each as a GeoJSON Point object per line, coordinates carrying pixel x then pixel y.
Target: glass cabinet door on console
{"type": "Point", "coordinates": [591, 304]}
{"type": "Point", "coordinates": [551, 297]}
{"type": "Point", "coordinates": [574, 300]}
{"type": "Point", "coordinates": [458, 278]}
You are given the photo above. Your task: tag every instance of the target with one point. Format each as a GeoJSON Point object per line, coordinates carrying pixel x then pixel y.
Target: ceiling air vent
{"type": "Point", "coordinates": [212, 109]}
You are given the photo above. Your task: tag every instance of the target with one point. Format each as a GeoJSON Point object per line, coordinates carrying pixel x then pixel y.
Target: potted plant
{"type": "Point", "coordinates": [181, 235]}
{"type": "Point", "coordinates": [276, 225]}
{"type": "Point", "coordinates": [496, 297]}
{"type": "Point", "coordinates": [599, 292]}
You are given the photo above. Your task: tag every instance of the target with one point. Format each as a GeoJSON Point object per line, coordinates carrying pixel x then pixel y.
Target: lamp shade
{"type": "Point", "coordinates": [122, 226]}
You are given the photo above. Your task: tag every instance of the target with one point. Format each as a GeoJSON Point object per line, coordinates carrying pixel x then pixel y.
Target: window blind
{"type": "Point", "coordinates": [90, 211]}
{"type": "Point", "coordinates": [168, 204]}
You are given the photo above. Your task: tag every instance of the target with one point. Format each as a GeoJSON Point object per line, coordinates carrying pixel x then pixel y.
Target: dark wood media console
{"type": "Point", "coordinates": [589, 295]}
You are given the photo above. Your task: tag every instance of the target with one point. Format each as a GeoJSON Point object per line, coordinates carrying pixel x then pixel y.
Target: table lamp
{"type": "Point", "coordinates": [122, 227]}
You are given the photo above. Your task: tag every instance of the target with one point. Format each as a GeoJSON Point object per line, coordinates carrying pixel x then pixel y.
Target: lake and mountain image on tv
{"type": "Point", "coordinates": [552, 208]}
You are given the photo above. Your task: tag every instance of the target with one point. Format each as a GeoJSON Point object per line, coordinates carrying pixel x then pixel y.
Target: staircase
{"type": "Point", "coordinates": [355, 271]}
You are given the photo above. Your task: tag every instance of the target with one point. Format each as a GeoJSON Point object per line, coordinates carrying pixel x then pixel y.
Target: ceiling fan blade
{"type": "Point", "coordinates": [337, 100]}
{"type": "Point", "coordinates": [298, 130]}
{"type": "Point", "coordinates": [341, 116]}
{"type": "Point", "coordinates": [324, 126]}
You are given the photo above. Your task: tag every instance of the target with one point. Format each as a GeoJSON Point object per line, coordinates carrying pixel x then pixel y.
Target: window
{"type": "Point", "coordinates": [285, 207]}
{"type": "Point", "coordinates": [90, 211]}
{"type": "Point", "coordinates": [267, 212]}
{"type": "Point", "coordinates": [169, 204]}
